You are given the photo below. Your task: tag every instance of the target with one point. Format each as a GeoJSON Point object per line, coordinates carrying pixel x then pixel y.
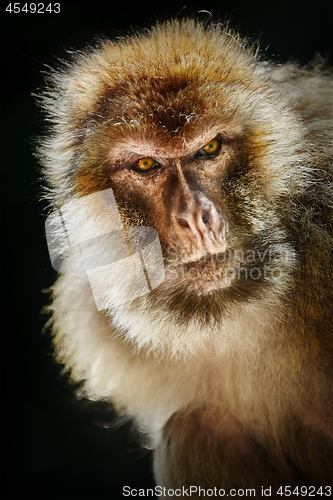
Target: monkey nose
{"type": "Point", "coordinates": [196, 224]}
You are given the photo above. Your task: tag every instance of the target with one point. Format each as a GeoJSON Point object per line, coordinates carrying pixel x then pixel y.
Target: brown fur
{"type": "Point", "coordinates": [229, 376]}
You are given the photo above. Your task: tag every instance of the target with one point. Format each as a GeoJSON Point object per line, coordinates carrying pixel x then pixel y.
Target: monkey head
{"type": "Point", "coordinates": [197, 142]}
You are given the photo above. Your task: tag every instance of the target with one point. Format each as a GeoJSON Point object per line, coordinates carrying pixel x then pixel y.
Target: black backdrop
{"type": "Point", "coordinates": [55, 446]}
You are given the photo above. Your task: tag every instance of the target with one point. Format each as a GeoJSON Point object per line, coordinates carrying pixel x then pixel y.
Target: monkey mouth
{"type": "Point", "coordinates": [210, 272]}
{"type": "Point", "coordinates": [208, 261]}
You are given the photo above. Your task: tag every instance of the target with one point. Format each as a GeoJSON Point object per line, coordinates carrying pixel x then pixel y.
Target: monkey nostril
{"type": "Point", "coordinates": [182, 222]}
{"type": "Point", "coordinates": [205, 218]}
{"type": "Point", "coordinates": [190, 222]}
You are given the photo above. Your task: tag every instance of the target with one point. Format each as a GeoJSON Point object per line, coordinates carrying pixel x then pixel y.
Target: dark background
{"type": "Point", "coordinates": [53, 445]}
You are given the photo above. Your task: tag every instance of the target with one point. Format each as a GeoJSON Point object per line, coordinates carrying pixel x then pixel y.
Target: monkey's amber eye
{"type": "Point", "coordinates": [211, 146]}
{"type": "Point", "coordinates": [146, 164]}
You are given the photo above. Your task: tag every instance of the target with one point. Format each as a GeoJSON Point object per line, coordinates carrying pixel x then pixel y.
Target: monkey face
{"type": "Point", "coordinates": [175, 189]}
{"type": "Point", "coordinates": [206, 200]}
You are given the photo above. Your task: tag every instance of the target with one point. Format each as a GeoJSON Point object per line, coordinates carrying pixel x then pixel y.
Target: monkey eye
{"type": "Point", "coordinates": [145, 164]}
{"type": "Point", "coordinates": [211, 147]}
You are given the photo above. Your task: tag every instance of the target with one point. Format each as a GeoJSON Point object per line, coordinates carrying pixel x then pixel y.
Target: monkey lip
{"type": "Point", "coordinates": [211, 272]}
{"type": "Point", "coordinates": [212, 261]}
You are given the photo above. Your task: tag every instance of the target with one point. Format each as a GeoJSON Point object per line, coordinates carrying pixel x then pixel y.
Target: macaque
{"type": "Point", "coordinates": [226, 362]}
